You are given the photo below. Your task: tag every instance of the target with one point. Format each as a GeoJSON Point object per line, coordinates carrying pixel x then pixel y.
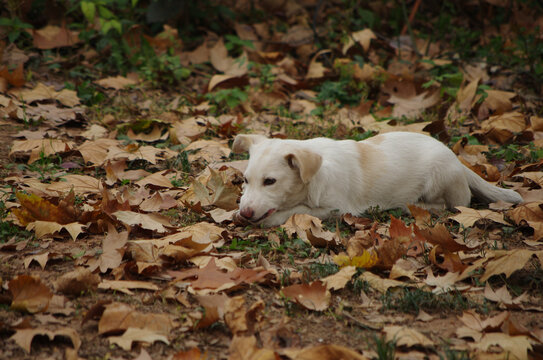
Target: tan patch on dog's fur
{"type": "Point", "coordinates": [370, 158]}
{"type": "Point", "coordinates": [375, 140]}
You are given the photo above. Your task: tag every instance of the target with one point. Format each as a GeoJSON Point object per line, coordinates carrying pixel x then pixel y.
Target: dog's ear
{"type": "Point", "coordinates": [243, 142]}
{"type": "Point", "coordinates": [306, 162]}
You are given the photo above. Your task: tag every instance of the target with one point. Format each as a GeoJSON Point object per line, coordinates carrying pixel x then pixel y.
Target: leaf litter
{"type": "Point", "coordinates": [130, 216]}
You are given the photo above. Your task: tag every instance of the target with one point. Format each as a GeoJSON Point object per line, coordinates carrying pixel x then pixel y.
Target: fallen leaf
{"type": "Point", "coordinates": [125, 286]}
{"type": "Point", "coordinates": [136, 334]}
{"type": "Point", "coordinates": [339, 279]}
{"type": "Point", "coordinates": [363, 37]}
{"type": "Point", "coordinates": [325, 352]}
{"type": "Point", "coordinates": [29, 294]}
{"type": "Point", "coordinates": [76, 282]}
{"type": "Point", "coordinates": [405, 336]}
{"type": "Point", "coordinates": [120, 316]}
{"type": "Point", "coordinates": [468, 216]}
{"type": "Point", "coordinates": [24, 337]}
{"type": "Point", "coordinates": [508, 261]}
{"type": "Point", "coordinates": [43, 92]}
{"type": "Point", "coordinates": [515, 347]}
{"type": "Point", "coordinates": [154, 222]}
{"type": "Point", "coordinates": [314, 296]}
{"type": "Point", "coordinates": [380, 284]}
{"type": "Point", "coordinates": [117, 83]}
{"type": "Point", "coordinates": [40, 147]}
{"type": "Point", "coordinates": [474, 321]}
{"type": "Point", "coordinates": [113, 248]}
{"type": "Point", "coordinates": [245, 348]}
{"type": "Point", "coordinates": [51, 37]}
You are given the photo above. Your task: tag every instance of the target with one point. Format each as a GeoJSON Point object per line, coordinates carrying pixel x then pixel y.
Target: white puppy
{"type": "Point", "coordinates": [322, 176]}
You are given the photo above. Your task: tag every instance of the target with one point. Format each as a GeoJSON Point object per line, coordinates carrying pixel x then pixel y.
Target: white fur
{"type": "Point", "coordinates": [389, 170]}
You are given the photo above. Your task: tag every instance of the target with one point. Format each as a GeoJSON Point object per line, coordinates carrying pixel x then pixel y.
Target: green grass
{"type": "Point", "coordinates": [412, 301]}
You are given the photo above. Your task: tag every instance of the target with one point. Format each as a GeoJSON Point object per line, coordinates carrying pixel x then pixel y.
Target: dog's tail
{"type": "Point", "coordinates": [488, 192]}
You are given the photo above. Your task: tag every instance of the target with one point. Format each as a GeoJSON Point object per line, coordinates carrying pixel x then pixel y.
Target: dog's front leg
{"type": "Point", "coordinates": [280, 217]}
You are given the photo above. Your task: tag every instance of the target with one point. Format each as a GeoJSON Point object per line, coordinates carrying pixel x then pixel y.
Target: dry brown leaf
{"type": "Point", "coordinates": [117, 83]}
{"type": "Point", "coordinates": [43, 92]}
{"type": "Point", "coordinates": [502, 128]}
{"type": "Point", "coordinates": [363, 37]}
{"type": "Point", "coordinates": [515, 347]}
{"type": "Point", "coordinates": [314, 296]}
{"type": "Point", "coordinates": [339, 279]}
{"type": "Point", "coordinates": [245, 348]}
{"type": "Point", "coordinates": [468, 216]}
{"type": "Point", "coordinates": [40, 147]}
{"type": "Point", "coordinates": [474, 321]}
{"type": "Point", "coordinates": [325, 352]}
{"type": "Point", "coordinates": [502, 296]}
{"type": "Point", "coordinates": [213, 278]}
{"type": "Point", "coordinates": [24, 337]}
{"type": "Point", "coordinates": [76, 282]}
{"type": "Point", "coordinates": [464, 101]}
{"type": "Point", "coordinates": [120, 316]}
{"type": "Point", "coordinates": [42, 228]}
{"type": "Point", "coordinates": [508, 261]}
{"type": "Point", "coordinates": [440, 236]}
{"type": "Point", "coordinates": [208, 150]}
{"type": "Point", "coordinates": [442, 284]}
{"type": "Point", "coordinates": [413, 106]}
{"type": "Point", "coordinates": [532, 214]}
{"type": "Point", "coordinates": [80, 184]}
{"type": "Point", "coordinates": [309, 229]}
{"type": "Point", "coordinates": [154, 222]}
{"type": "Point", "coordinates": [39, 258]}
{"type": "Point", "coordinates": [51, 37]}
{"type": "Point", "coordinates": [124, 286]}
{"type": "Point", "coordinates": [113, 248]}
{"type": "Point", "coordinates": [380, 284]}
{"type": "Point", "coordinates": [405, 336]}
{"type": "Point", "coordinates": [29, 294]}
{"type": "Point", "coordinates": [214, 306]}
{"type": "Point", "coordinates": [137, 334]}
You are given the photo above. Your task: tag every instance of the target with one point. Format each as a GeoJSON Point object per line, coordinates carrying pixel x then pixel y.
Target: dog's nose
{"type": "Point", "coordinates": [247, 212]}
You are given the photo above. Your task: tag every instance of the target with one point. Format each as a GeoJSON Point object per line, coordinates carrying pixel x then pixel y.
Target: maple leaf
{"type": "Point", "coordinates": [406, 336]}
{"type": "Point", "coordinates": [29, 294]}
{"type": "Point", "coordinates": [245, 348]}
{"type": "Point", "coordinates": [468, 216]}
{"type": "Point", "coordinates": [314, 296]}
{"type": "Point", "coordinates": [117, 83]}
{"type": "Point", "coordinates": [120, 316]}
{"type": "Point", "coordinates": [51, 37]}
{"type": "Point", "coordinates": [515, 347]}
{"type": "Point", "coordinates": [508, 261]}
{"type": "Point", "coordinates": [531, 213]}
{"type": "Point", "coordinates": [211, 277]}
{"type": "Point", "coordinates": [40, 147]}
{"type": "Point", "coordinates": [363, 37]}
{"type": "Point", "coordinates": [154, 222]}
{"type": "Point", "coordinates": [309, 229]}
{"type": "Point", "coordinates": [325, 352]}
{"type": "Point", "coordinates": [76, 282]}
{"type": "Point", "coordinates": [367, 260]}
{"type": "Point", "coordinates": [380, 284]}
{"type": "Point", "coordinates": [24, 337]}
{"type": "Point", "coordinates": [124, 286]}
{"type": "Point", "coordinates": [340, 279]}
{"type": "Point", "coordinates": [136, 334]}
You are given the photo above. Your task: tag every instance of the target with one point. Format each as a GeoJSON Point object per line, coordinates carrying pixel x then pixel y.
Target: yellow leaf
{"type": "Point", "coordinates": [367, 260]}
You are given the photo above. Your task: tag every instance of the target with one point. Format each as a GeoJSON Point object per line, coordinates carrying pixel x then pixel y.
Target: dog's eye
{"type": "Point", "coordinates": [269, 181]}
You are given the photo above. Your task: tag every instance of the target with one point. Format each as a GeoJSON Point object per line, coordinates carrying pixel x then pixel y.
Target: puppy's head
{"type": "Point", "coordinates": [276, 177]}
